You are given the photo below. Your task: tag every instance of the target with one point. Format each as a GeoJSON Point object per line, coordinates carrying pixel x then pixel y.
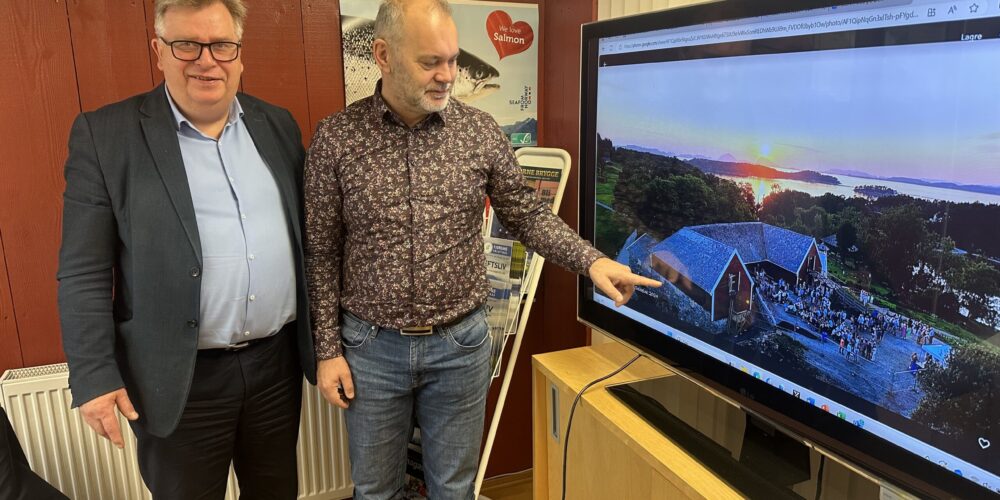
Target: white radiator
{"type": "Point", "coordinates": [62, 449]}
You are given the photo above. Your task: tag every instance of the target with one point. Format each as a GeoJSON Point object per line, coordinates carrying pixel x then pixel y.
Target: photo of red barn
{"type": "Point", "coordinates": [713, 263]}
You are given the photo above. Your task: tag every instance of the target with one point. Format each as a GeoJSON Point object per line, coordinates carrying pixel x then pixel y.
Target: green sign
{"type": "Point", "coordinates": [520, 138]}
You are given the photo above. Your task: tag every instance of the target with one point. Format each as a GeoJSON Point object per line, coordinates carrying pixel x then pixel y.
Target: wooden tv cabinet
{"type": "Point", "coordinates": [613, 453]}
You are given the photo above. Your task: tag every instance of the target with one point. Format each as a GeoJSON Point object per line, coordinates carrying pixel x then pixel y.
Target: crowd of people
{"type": "Point", "coordinates": [858, 333]}
{"type": "Point", "coordinates": [809, 301]}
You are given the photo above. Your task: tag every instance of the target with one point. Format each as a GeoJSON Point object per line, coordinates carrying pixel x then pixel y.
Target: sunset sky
{"type": "Point", "coordinates": [928, 111]}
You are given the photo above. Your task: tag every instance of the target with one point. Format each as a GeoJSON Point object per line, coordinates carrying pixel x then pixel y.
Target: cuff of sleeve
{"type": "Point", "coordinates": [588, 258]}
{"type": "Point", "coordinates": [328, 345]}
{"type": "Point", "coordinates": [325, 355]}
{"type": "Point", "coordinates": [87, 383]}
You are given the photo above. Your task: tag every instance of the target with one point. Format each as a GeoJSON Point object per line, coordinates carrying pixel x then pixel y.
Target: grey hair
{"type": "Point", "coordinates": [236, 9]}
{"type": "Point", "coordinates": [389, 21]}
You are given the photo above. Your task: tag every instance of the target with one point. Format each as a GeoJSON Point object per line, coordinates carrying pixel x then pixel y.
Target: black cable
{"type": "Point", "coordinates": [819, 476]}
{"type": "Point", "coordinates": [572, 409]}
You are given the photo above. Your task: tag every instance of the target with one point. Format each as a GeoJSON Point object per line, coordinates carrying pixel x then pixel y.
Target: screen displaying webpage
{"type": "Point", "coordinates": [819, 192]}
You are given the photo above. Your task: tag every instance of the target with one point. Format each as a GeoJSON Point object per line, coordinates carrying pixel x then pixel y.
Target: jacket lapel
{"type": "Point", "coordinates": [263, 138]}
{"type": "Point", "coordinates": [160, 130]}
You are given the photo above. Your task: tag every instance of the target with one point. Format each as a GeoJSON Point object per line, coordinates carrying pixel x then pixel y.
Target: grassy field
{"type": "Point", "coordinates": [854, 278]}
{"type": "Point", "coordinates": [611, 232]}
{"type": "Point", "coordinates": [936, 322]}
{"type": "Point", "coordinates": [606, 189]}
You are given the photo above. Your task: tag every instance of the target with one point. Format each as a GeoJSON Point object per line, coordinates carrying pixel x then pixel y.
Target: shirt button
{"type": "Point", "coordinates": [232, 180]}
{"type": "Point", "coordinates": [253, 298]}
{"type": "Point", "coordinates": [251, 257]}
{"type": "Point", "coordinates": [246, 333]}
{"type": "Point", "coordinates": [193, 323]}
{"type": "Point", "coordinates": [195, 272]}
{"type": "Point", "coordinates": [243, 216]}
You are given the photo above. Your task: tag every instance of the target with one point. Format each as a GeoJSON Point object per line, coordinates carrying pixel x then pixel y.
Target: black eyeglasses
{"type": "Point", "coordinates": [189, 50]}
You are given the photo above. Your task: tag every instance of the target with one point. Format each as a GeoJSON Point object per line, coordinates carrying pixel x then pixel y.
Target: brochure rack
{"type": "Point", "coordinates": [513, 272]}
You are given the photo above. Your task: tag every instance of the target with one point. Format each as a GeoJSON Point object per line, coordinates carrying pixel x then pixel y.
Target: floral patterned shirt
{"type": "Point", "coordinates": [394, 217]}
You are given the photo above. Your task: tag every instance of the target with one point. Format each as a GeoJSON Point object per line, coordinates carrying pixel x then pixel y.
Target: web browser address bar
{"type": "Point", "coordinates": [875, 18]}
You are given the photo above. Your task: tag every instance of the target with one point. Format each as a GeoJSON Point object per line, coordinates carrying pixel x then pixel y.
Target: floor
{"type": "Point", "coordinates": [516, 486]}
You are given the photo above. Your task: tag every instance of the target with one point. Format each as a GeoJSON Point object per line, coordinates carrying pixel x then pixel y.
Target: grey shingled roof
{"type": "Point", "coordinates": [700, 258]}
{"type": "Point", "coordinates": [746, 237]}
{"type": "Point", "coordinates": [786, 248]}
{"type": "Point", "coordinates": [635, 248]}
{"type": "Point", "coordinates": [756, 242]}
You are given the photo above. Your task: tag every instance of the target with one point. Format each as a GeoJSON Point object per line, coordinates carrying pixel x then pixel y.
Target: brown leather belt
{"type": "Point", "coordinates": [418, 331]}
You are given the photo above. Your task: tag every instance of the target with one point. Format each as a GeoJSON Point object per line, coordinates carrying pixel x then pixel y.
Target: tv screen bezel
{"type": "Point", "coordinates": [826, 431]}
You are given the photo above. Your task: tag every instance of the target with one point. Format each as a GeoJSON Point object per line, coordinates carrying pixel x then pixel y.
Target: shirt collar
{"type": "Point", "coordinates": [235, 112]}
{"type": "Point", "coordinates": [383, 111]}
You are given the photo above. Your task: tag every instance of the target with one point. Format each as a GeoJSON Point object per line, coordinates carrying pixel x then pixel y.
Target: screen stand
{"type": "Point", "coordinates": [753, 456]}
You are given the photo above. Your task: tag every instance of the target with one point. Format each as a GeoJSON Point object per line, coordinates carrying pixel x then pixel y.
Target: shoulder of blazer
{"type": "Point", "coordinates": [277, 115]}
{"type": "Point", "coordinates": [120, 120]}
{"type": "Point", "coordinates": [130, 106]}
{"type": "Point", "coordinates": [279, 121]}
{"type": "Point", "coordinates": [116, 130]}
{"type": "Point", "coordinates": [254, 104]}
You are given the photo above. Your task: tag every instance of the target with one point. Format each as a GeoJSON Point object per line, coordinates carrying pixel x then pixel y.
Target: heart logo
{"type": "Point", "coordinates": [984, 443]}
{"type": "Point", "coordinates": [508, 37]}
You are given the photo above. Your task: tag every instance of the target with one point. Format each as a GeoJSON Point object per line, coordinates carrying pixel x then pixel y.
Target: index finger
{"type": "Point", "coordinates": [637, 280]}
{"type": "Point", "coordinates": [110, 422]}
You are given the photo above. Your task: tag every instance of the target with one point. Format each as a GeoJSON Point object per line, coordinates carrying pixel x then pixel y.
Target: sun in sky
{"type": "Point", "coordinates": [764, 152]}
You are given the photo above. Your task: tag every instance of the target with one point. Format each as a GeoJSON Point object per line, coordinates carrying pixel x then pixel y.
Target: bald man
{"type": "Point", "coordinates": [395, 187]}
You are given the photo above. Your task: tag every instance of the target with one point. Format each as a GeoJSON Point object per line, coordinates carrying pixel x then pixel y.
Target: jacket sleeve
{"type": "Point", "coordinates": [324, 238]}
{"type": "Point", "coordinates": [86, 271]}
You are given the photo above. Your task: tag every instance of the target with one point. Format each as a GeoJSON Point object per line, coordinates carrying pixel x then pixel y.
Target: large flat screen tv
{"type": "Point", "coordinates": [818, 188]}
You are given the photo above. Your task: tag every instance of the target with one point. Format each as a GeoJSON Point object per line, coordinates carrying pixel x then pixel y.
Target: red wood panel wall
{"type": "Point", "coordinates": [325, 70]}
{"type": "Point", "coordinates": [274, 56]}
{"type": "Point", "coordinates": [10, 345]}
{"type": "Point", "coordinates": [110, 48]}
{"type": "Point", "coordinates": [38, 99]}
{"type": "Point", "coordinates": [78, 55]}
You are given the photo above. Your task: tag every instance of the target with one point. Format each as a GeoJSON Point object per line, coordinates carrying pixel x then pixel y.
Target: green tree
{"type": "Point", "coordinates": [847, 237]}
{"type": "Point", "coordinates": [778, 208]}
{"type": "Point", "coordinates": [832, 203]}
{"type": "Point", "coordinates": [660, 195]}
{"type": "Point", "coordinates": [813, 220]}
{"type": "Point", "coordinates": [605, 149]}
{"type": "Point", "coordinates": [674, 202]}
{"type": "Point", "coordinates": [895, 242]}
{"type": "Point", "coordinates": [979, 280]}
{"type": "Point", "coordinates": [960, 398]}
{"type": "Point", "coordinates": [731, 202]}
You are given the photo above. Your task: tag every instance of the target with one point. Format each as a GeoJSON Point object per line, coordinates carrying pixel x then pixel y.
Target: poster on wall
{"type": "Point", "coordinates": [497, 66]}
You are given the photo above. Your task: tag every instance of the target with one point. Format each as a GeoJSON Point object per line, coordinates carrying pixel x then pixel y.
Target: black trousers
{"type": "Point", "coordinates": [17, 482]}
{"type": "Point", "coordinates": [243, 408]}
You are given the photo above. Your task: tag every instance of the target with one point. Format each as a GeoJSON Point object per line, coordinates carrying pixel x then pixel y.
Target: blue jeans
{"type": "Point", "coordinates": [437, 381]}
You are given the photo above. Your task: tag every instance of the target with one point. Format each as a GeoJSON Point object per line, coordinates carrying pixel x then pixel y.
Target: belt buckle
{"type": "Point", "coordinates": [237, 347]}
{"type": "Point", "coordinates": [416, 331]}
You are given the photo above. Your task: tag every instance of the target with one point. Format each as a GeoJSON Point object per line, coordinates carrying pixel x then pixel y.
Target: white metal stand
{"type": "Point", "coordinates": [538, 157]}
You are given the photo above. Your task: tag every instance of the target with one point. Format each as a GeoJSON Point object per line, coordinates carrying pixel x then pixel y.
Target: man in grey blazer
{"type": "Point", "coordinates": [181, 287]}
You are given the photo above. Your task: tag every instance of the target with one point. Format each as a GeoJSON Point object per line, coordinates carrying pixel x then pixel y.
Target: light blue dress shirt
{"type": "Point", "coordinates": [248, 269]}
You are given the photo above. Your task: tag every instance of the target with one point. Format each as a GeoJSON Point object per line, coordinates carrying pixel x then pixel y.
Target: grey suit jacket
{"type": "Point", "coordinates": [129, 266]}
